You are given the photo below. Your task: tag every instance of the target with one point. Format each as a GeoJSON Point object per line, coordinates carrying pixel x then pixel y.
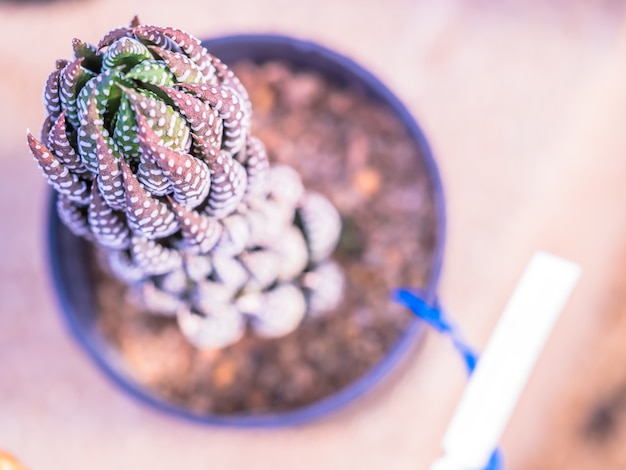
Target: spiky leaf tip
{"type": "Point", "coordinates": [61, 179]}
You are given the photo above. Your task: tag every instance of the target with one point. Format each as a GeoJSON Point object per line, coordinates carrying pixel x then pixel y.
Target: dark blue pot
{"type": "Point", "coordinates": [69, 261]}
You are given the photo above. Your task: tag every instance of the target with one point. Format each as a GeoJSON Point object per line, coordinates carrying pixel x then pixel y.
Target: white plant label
{"type": "Point", "coordinates": [506, 362]}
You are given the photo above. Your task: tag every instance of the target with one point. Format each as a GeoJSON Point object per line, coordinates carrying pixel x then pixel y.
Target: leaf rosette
{"type": "Point", "coordinates": [147, 143]}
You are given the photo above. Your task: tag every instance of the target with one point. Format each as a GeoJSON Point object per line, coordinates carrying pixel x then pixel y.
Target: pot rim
{"type": "Point", "coordinates": [93, 346]}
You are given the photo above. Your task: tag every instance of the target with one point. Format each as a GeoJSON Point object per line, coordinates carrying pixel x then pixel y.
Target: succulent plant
{"type": "Point", "coordinates": [147, 142]}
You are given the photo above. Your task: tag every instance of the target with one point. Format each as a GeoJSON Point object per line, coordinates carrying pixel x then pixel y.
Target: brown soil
{"type": "Point", "coordinates": [358, 155]}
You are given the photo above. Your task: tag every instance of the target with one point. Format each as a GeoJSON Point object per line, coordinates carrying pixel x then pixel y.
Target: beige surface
{"type": "Point", "coordinates": [524, 104]}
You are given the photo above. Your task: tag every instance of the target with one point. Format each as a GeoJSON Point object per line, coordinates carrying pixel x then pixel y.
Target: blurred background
{"type": "Point", "coordinates": [524, 105]}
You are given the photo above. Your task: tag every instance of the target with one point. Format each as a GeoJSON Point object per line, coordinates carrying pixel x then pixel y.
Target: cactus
{"type": "Point", "coordinates": [147, 142]}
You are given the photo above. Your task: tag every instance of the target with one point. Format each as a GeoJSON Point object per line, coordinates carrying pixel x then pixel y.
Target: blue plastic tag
{"type": "Point", "coordinates": [436, 318]}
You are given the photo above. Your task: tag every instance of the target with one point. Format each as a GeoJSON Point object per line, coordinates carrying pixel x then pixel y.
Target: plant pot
{"type": "Point", "coordinates": [68, 255]}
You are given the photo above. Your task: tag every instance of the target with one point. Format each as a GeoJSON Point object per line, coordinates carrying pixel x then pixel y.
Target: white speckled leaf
{"type": "Point", "coordinates": [152, 72]}
{"type": "Point", "coordinates": [125, 130]}
{"type": "Point", "coordinates": [229, 272]}
{"type": "Point", "coordinates": [156, 301]}
{"type": "Point", "coordinates": [114, 35]}
{"type": "Point", "coordinates": [92, 126]}
{"type": "Point", "coordinates": [73, 216]}
{"type": "Point", "coordinates": [61, 179]}
{"type": "Point", "coordinates": [199, 232]}
{"type": "Point", "coordinates": [234, 237]}
{"type": "Point", "coordinates": [107, 226]}
{"type": "Point", "coordinates": [222, 326]}
{"type": "Point", "coordinates": [152, 257]}
{"type": "Point", "coordinates": [123, 266]}
{"type": "Point", "coordinates": [231, 108]}
{"type": "Point", "coordinates": [92, 60]}
{"type": "Point", "coordinates": [166, 122]}
{"type": "Point", "coordinates": [109, 179]}
{"type": "Point", "coordinates": [263, 266]}
{"type": "Point", "coordinates": [321, 224]}
{"type": "Point", "coordinates": [104, 87]}
{"type": "Point", "coordinates": [189, 176]}
{"type": "Point", "coordinates": [146, 215]}
{"type": "Point", "coordinates": [60, 145]}
{"type": "Point", "coordinates": [293, 252]}
{"type": "Point", "coordinates": [151, 176]}
{"type": "Point", "coordinates": [257, 167]}
{"type": "Point", "coordinates": [324, 287]}
{"type": "Point", "coordinates": [228, 180]}
{"type": "Point", "coordinates": [198, 268]}
{"type": "Point", "coordinates": [227, 78]}
{"type": "Point", "coordinates": [204, 120]}
{"type": "Point", "coordinates": [51, 97]}
{"type": "Point", "coordinates": [188, 44]}
{"type": "Point", "coordinates": [180, 65]}
{"type": "Point", "coordinates": [71, 81]}
{"type": "Point", "coordinates": [276, 312]}
{"type": "Point", "coordinates": [126, 52]}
